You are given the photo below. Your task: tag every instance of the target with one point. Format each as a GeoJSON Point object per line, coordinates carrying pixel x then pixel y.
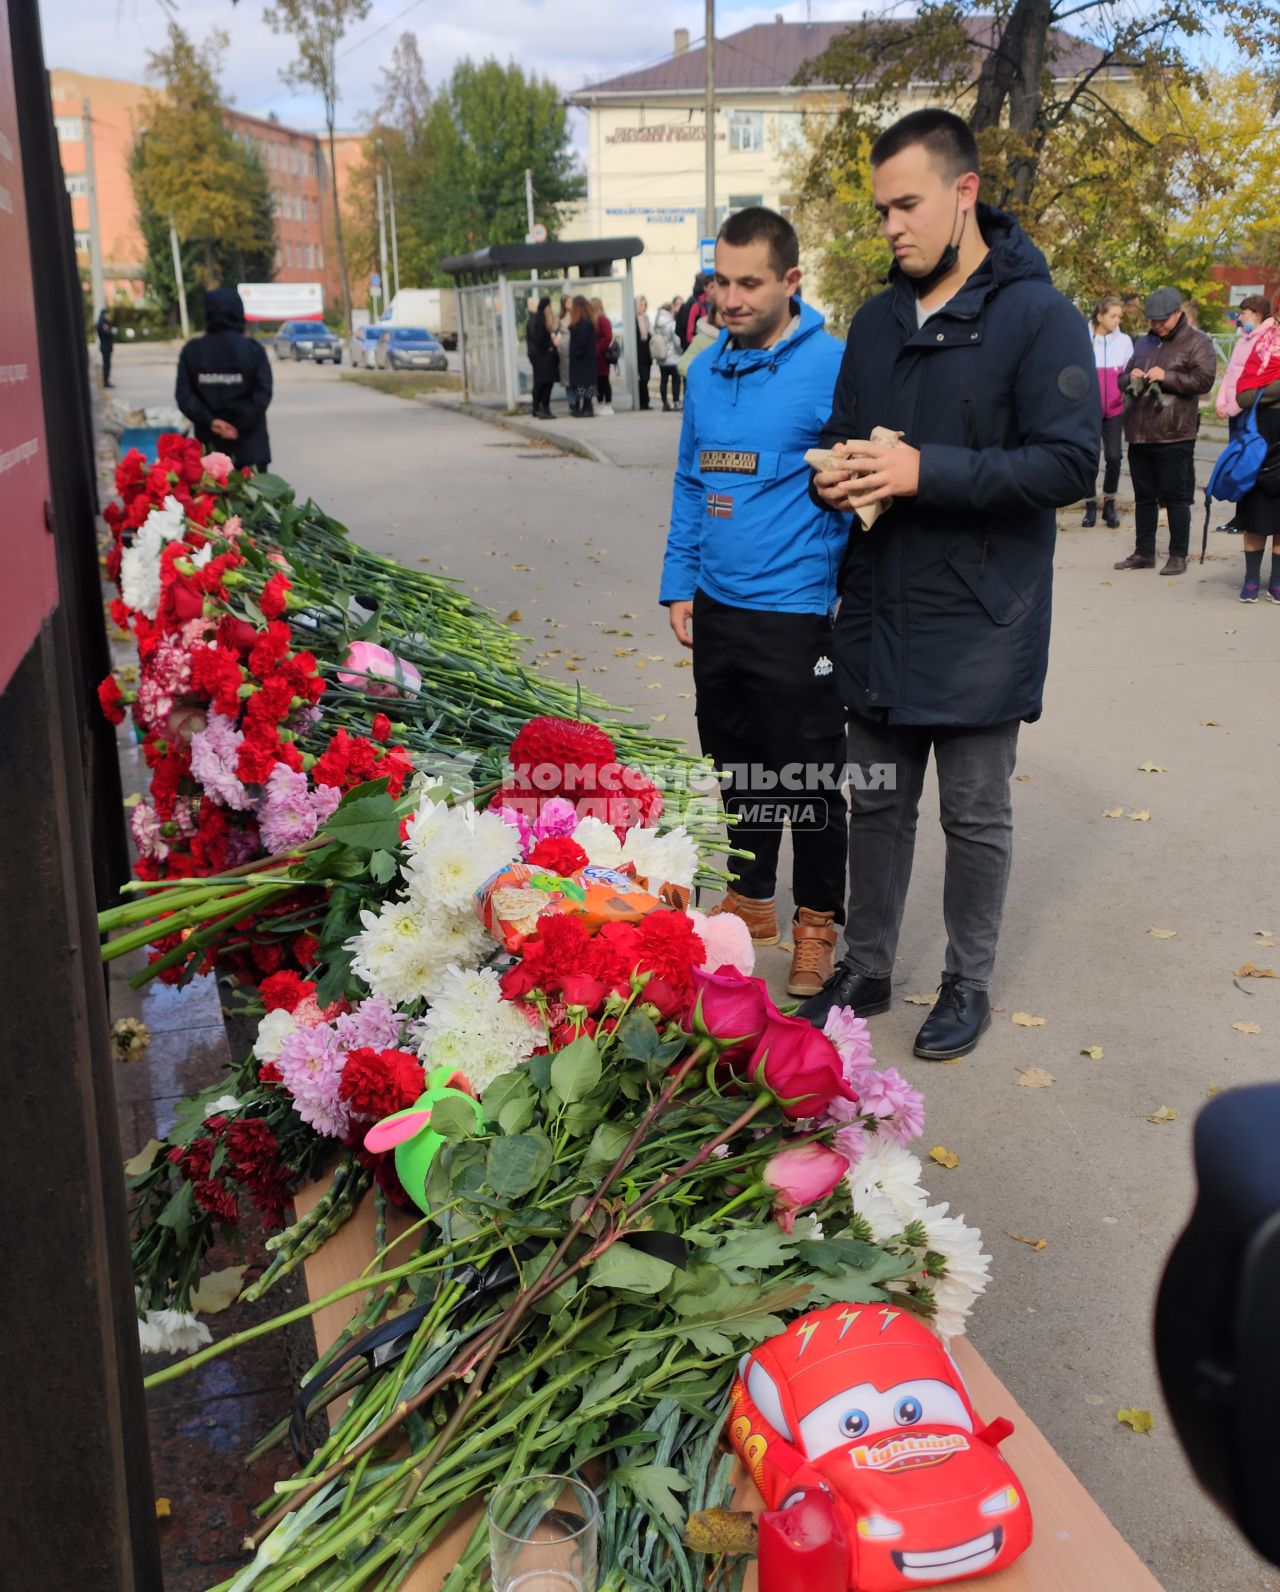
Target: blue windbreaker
{"type": "Point", "coordinates": [743, 526]}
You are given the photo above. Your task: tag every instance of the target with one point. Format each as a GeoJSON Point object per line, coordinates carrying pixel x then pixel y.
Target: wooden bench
{"type": "Point", "coordinates": [1076, 1548]}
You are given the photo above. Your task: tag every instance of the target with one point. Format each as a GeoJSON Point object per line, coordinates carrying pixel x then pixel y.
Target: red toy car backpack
{"type": "Point", "coordinates": [877, 1475]}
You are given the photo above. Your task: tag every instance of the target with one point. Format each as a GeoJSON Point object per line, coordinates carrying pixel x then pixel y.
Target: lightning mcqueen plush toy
{"type": "Point", "coordinates": [877, 1475]}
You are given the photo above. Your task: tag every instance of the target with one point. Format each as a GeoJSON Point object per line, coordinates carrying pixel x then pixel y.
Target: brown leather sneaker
{"type": "Point", "coordinates": [761, 917]}
{"type": "Point", "coordinates": [1175, 566]}
{"type": "Point", "coordinates": [813, 961]}
{"type": "Point", "coordinates": [1135, 561]}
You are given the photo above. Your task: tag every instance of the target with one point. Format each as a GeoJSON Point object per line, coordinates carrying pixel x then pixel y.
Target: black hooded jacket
{"type": "Point", "coordinates": [225, 375]}
{"type": "Point", "coordinates": [946, 601]}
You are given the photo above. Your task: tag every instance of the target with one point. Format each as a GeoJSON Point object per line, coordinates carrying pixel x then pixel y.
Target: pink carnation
{"type": "Point", "coordinates": [148, 832]}
{"type": "Point", "coordinates": [214, 752]}
{"type": "Point", "coordinates": [218, 465]}
{"type": "Point", "coordinates": [556, 819]}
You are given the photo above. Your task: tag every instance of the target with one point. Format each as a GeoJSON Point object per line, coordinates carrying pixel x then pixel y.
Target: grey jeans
{"type": "Point", "coordinates": [974, 769]}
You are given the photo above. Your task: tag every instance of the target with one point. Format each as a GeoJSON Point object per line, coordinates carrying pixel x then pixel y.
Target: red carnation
{"type": "Point", "coordinates": [283, 991]}
{"type": "Point", "coordinates": [270, 649]}
{"type": "Point", "coordinates": [377, 1082]}
{"type": "Point", "coordinates": [305, 949]}
{"type": "Point", "coordinates": [559, 854]}
{"type": "Point", "coordinates": [111, 700]}
{"type": "Point", "coordinates": [272, 602]}
{"type": "Point", "coordinates": [381, 727]}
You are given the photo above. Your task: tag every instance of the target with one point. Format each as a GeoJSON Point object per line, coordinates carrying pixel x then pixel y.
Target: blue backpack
{"type": "Point", "coordinates": [1236, 472]}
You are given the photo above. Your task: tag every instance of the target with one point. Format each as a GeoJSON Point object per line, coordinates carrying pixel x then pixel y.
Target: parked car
{"type": "Point", "coordinates": [364, 342]}
{"type": "Point", "coordinates": [307, 340]}
{"type": "Point", "coordinates": [409, 348]}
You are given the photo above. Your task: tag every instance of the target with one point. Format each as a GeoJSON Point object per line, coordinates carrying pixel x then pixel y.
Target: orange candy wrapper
{"type": "Point", "coordinates": [512, 902]}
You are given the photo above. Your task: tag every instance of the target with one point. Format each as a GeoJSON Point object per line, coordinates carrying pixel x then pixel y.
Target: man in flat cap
{"type": "Point", "coordinates": [1172, 368]}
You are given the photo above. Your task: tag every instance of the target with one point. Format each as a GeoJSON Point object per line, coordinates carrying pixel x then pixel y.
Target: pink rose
{"type": "Point", "coordinates": [801, 1175]}
{"type": "Point", "coordinates": [389, 676]}
{"type": "Point", "coordinates": [732, 1010]}
{"type": "Point", "coordinates": [801, 1066]}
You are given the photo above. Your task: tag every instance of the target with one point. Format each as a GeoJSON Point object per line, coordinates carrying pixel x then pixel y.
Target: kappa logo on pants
{"type": "Point", "coordinates": [823, 665]}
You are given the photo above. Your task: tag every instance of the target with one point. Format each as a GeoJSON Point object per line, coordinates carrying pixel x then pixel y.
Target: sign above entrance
{"type": "Point", "coordinates": [282, 301]}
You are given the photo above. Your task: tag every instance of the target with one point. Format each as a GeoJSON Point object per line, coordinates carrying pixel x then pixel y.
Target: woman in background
{"type": "Point", "coordinates": [539, 341]}
{"type": "Point", "coordinates": [644, 349]}
{"type": "Point", "coordinates": [1112, 351]}
{"type": "Point", "coordinates": [604, 341]}
{"type": "Point", "coordinates": [582, 358]}
{"type": "Point", "coordinates": [665, 347]}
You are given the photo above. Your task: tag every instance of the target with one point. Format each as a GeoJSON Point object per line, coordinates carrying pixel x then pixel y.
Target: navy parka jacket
{"type": "Point", "coordinates": [945, 602]}
{"type": "Point", "coordinates": [225, 375]}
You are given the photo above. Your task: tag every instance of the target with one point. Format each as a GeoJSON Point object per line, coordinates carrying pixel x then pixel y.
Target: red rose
{"type": "Point", "coordinates": [559, 855]}
{"type": "Point", "coordinates": [381, 728]}
{"type": "Point", "coordinates": [580, 989]}
{"type": "Point", "coordinates": [272, 602]}
{"type": "Point", "coordinates": [800, 1065]}
{"type": "Point", "coordinates": [283, 991]}
{"type": "Point", "coordinates": [731, 1009]}
{"type": "Point", "coordinates": [111, 700]}
{"type": "Point", "coordinates": [376, 1083]}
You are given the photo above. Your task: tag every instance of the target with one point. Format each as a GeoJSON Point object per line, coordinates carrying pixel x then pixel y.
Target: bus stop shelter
{"type": "Point", "coordinates": [500, 284]}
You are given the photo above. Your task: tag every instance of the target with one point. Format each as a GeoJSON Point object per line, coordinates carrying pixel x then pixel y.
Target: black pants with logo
{"type": "Point", "coordinates": [1164, 476]}
{"type": "Point", "coordinates": [769, 712]}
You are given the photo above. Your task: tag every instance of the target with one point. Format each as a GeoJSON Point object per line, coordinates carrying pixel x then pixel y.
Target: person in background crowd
{"type": "Point", "coordinates": [539, 342]}
{"type": "Point", "coordinates": [1259, 510]}
{"type": "Point", "coordinates": [224, 383]}
{"type": "Point", "coordinates": [1169, 371]}
{"type": "Point", "coordinates": [604, 341]}
{"type": "Point", "coordinates": [665, 348]}
{"type": "Point", "coordinates": [1192, 311]}
{"type": "Point", "coordinates": [582, 359]}
{"type": "Point", "coordinates": [644, 351]}
{"type": "Point", "coordinates": [749, 582]}
{"type": "Point", "coordinates": [1112, 350]}
{"type": "Point", "coordinates": [690, 314]}
{"type": "Point", "coordinates": [562, 344]}
{"type": "Point", "coordinates": [1131, 314]}
{"type": "Point", "coordinates": [1254, 314]}
{"type": "Point", "coordinates": [942, 639]}
{"type": "Point", "coordinates": [706, 336]}
{"type": "Point", "coordinates": [106, 342]}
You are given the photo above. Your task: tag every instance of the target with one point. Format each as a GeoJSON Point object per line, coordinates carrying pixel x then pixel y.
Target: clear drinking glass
{"type": "Point", "coordinates": [542, 1535]}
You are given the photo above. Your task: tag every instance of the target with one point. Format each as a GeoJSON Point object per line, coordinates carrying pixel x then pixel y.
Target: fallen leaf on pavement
{"type": "Point", "coordinates": [1165, 1114]}
{"type": "Point", "coordinates": [133, 799]}
{"type": "Point", "coordinates": [1023, 777]}
{"type": "Point", "coordinates": [623, 652]}
{"type": "Point", "coordinates": [658, 718]}
{"type": "Point", "coordinates": [1143, 817]}
{"type": "Point", "coordinates": [1264, 931]}
{"type": "Point", "coordinates": [1035, 1243]}
{"type": "Point", "coordinates": [514, 617]}
{"type": "Point", "coordinates": [1264, 945]}
{"type": "Point", "coordinates": [1139, 1420]}
{"type": "Point", "coordinates": [1211, 724]}
{"type": "Point", "coordinates": [1252, 970]}
{"type": "Point", "coordinates": [1151, 768]}
{"type": "Point", "coordinates": [1035, 1078]}
{"type": "Point", "coordinates": [1163, 934]}
{"type": "Point", "coordinates": [683, 663]}
{"type": "Point", "coordinates": [218, 1290]}
{"type": "Point", "coordinates": [919, 1000]}
{"type": "Point", "coordinates": [1094, 1052]}
{"type": "Point", "coordinates": [1247, 1028]}
{"type": "Point", "coordinates": [136, 1165]}
{"type": "Point", "coordinates": [1213, 1089]}
{"type": "Point", "coordinates": [1026, 1020]}
{"type": "Point", "coordinates": [163, 1509]}
{"type": "Point", "coordinates": [1114, 812]}
{"type": "Point", "coordinates": [943, 1156]}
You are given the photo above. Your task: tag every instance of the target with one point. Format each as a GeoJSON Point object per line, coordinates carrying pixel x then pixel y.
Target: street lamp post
{"type": "Point", "coordinates": [395, 242]}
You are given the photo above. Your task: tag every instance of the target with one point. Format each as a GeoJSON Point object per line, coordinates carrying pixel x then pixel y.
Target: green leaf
{"type": "Point", "coordinates": [606, 1146]}
{"type": "Point", "coordinates": [383, 867]}
{"type": "Point", "coordinates": [454, 1119]}
{"type": "Point", "coordinates": [337, 971]}
{"type": "Point", "coordinates": [539, 1070]}
{"type": "Point", "coordinates": [516, 1115]}
{"type": "Point", "coordinates": [847, 1290]}
{"type": "Point", "coordinates": [575, 1070]}
{"type": "Point", "coordinates": [752, 1249]}
{"type": "Point", "coordinates": [517, 1164]}
{"type": "Point", "coordinates": [623, 1267]}
{"type": "Point", "coordinates": [178, 1212]}
{"type": "Point", "coordinates": [270, 486]}
{"type": "Point", "coordinates": [655, 1487]}
{"type": "Point", "coordinates": [506, 1086]}
{"type": "Point", "coordinates": [366, 824]}
{"type": "Point", "coordinates": [617, 1374]}
{"type": "Point", "coordinates": [638, 1037]}
{"type": "Point", "coordinates": [751, 1320]}
{"type": "Point", "coordinates": [581, 1117]}
{"type": "Point", "coordinates": [837, 1256]}
{"type": "Point", "coordinates": [136, 1165]}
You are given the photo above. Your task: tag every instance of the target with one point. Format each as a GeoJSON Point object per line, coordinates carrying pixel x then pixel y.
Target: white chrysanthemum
{"type": "Point", "coordinates": [451, 851]}
{"type": "Point", "coordinates": [879, 1212]}
{"type": "Point", "coordinates": [668, 858]}
{"type": "Point", "coordinates": [273, 1030]}
{"type": "Point", "coordinates": [892, 1173]}
{"type": "Point", "coordinates": [140, 571]}
{"type": "Point", "coordinates": [471, 1027]}
{"type": "Point", "coordinates": [397, 952]}
{"type": "Point", "coordinates": [968, 1269]}
{"type": "Point", "coordinates": [172, 1332]}
{"type": "Point", "coordinates": [597, 839]}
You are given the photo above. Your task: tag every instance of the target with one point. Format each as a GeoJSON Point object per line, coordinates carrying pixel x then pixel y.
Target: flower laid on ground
{"type": "Point", "coordinates": [130, 1038]}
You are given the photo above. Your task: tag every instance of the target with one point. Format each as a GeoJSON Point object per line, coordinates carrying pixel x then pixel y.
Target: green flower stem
{"type": "Point", "coordinates": [175, 922]}
{"type": "Point", "coordinates": [762, 1100]}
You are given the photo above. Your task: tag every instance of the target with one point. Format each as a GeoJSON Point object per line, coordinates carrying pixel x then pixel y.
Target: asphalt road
{"type": "Point", "coordinates": [1170, 672]}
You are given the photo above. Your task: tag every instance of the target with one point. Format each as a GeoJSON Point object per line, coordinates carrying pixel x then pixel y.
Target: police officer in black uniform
{"type": "Point", "coordinates": [224, 383]}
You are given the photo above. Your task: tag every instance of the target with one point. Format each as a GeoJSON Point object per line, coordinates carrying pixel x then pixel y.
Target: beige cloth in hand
{"type": "Point", "coordinates": [829, 459]}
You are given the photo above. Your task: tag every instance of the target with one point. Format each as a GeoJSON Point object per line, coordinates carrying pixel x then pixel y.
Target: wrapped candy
{"type": "Point", "coordinates": [513, 900]}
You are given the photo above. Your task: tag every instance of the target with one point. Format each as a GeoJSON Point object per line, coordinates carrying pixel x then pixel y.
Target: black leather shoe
{"type": "Point", "coordinates": [847, 987]}
{"type": "Point", "coordinates": [1109, 515]}
{"type": "Point", "coordinates": [957, 1022]}
{"type": "Point", "coordinates": [1090, 514]}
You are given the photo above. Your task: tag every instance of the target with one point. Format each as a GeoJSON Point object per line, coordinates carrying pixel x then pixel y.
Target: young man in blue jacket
{"type": "Point", "coordinates": [942, 642]}
{"type": "Point", "coordinates": [749, 580]}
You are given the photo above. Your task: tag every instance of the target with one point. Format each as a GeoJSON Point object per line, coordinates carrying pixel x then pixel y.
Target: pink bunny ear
{"type": "Point", "coordinates": [385, 1135]}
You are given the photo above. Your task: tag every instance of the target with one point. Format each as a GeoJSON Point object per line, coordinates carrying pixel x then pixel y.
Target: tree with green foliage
{"type": "Point", "coordinates": [317, 28]}
{"type": "Point", "coordinates": [188, 168]}
{"type": "Point", "coordinates": [1099, 162]}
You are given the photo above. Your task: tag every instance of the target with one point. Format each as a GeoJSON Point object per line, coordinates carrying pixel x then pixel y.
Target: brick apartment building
{"type": "Point", "coordinates": [295, 162]}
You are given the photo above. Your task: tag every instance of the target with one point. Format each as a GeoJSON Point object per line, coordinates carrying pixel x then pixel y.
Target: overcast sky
{"type": "Point", "coordinates": [571, 41]}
